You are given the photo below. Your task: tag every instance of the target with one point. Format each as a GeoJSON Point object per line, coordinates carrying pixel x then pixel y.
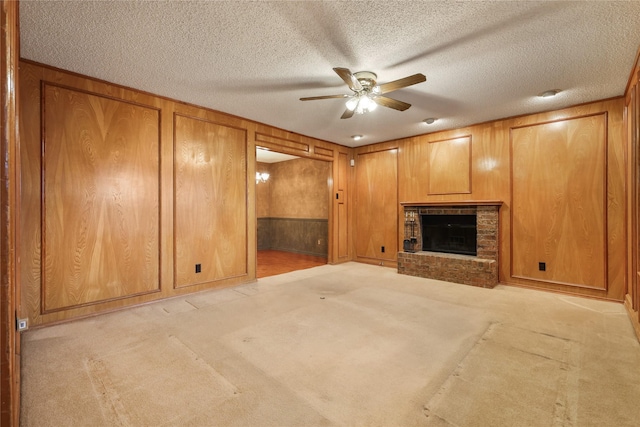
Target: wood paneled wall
{"type": "Point", "coordinates": [210, 209]}
{"type": "Point", "coordinates": [340, 212]}
{"type": "Point", "coordinates": [100, 217]}
{"type": "Point", "coordinates": [125, 192]}
{"type": "Point", "coordinates": [558, 196]}
{"type": "Point", "coordinates": [561, 178]}
{"type": "Point", "coordinates": [450, 166]}
{"type": "Point", "coordinates": [632, 140]}
{"type": "Point", "coordinates": [9, 214]}
{"type": "Point", "coordinates": [376, 211]}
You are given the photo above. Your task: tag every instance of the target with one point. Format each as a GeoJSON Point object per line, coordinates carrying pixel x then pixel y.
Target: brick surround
{"type": "Point", "coordinates": [480, 270]}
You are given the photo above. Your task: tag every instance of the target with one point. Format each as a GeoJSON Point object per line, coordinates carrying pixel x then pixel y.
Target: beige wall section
{"type": "Point", "coordinates": [299, 189]}
{"type": "Point", "coordinates": [491, 179]}
{"type": "Point", "coordinates": [263, 192]}
{"type": "Point", "coordinates": [180, 206]}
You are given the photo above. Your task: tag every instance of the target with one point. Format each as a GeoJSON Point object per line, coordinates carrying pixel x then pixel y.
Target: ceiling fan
{"type": "Point", "coordinates": [367, 93]}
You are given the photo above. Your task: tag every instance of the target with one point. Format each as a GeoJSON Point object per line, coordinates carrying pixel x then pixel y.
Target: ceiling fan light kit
{"type": "Point", "coordinates": [367, 94]}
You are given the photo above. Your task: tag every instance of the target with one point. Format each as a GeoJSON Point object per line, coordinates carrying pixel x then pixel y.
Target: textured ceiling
{"type": "Point", "coordinates": [483, 60]}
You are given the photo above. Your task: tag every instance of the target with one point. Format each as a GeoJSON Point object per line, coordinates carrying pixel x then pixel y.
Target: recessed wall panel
{"type": "Point", "coordinates": [559, 202]}
{"type": "Point", "coordinates": [100, 202]}
{"type": "Point", "coordinates": [210, 205]}
{"type": "Point", "coordinates": [376, 215]}
{"type": "Point", "coordinates": [450, 166]}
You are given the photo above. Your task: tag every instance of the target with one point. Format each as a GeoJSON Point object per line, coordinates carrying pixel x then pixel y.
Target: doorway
{"type": "Point", "coordinates": [292, 209]}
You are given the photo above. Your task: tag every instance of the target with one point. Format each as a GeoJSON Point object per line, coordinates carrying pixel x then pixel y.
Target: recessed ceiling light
{"type": "Point", "coordinates": [430, 120]}
{"type": "Point", "coordinates": [549, 93]}
{"type": "Point", "coordinates": [356, 137]}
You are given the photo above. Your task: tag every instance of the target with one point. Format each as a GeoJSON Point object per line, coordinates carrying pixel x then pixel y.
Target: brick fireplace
{"type": "Point", "coordinates": [479, 270]}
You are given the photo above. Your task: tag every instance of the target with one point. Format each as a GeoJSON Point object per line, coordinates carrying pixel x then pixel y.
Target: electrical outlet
{"type": "Point", "coordinates": [22, 324]}
{"type": "Point", "coordinates": [319, 241]}
{"type": "Point", "coordinates": [382, 249]}
{"type": "Point", "coordinates": [542, 266]}
{"type": "Point", "coordinates": [198, 268]}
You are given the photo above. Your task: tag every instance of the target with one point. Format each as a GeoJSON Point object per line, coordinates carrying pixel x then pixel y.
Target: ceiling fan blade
{"type": "Point", "coordinates": [400, 83]}
{"type": "Point", "coordinates": [347, 114]}
{"type": "Point", "coordinates": [348, 78]}
{"type": "Point", "coordinates": [391, 103]}
{"type": "Point", "coordinates": [313, 98]}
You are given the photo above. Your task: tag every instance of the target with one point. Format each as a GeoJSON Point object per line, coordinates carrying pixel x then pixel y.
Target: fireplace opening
{"type": "Point", "coordinates": [454, 234]}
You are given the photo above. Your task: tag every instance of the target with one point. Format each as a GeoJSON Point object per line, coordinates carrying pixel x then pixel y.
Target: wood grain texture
{"type": "Point", "coordinates": [324, 152]}
{"type": "Point", "coordinates": [559, 201]}
{"type": "Point", "coordinates": [272, 262]}
{"type": "Point", "coordinates": [341, 201]}
{"type": "Point", "coordinates": [210, 214]}
{"type": "Point", "coordinates": [31, 195]}
{"type": "Point", "coordinates": [285, 145]}
{"type": "Point", "coordinates": [491, 178]}
{"type": "Point", "coordinates": [376, 206]}
{"type": "Point", "coordinates": [9, 214]}
{"type": "Point", "coordinates": [450, 166]}
{"type": "Point", "coordinates": [635, 187]}
{"type": "Point", "coordinates": [100, 228]}
{"type": "Point", "coordinates": [631, 216]}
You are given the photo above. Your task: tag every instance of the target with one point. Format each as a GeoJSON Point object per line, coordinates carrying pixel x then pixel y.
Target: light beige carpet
{"type": "Point", "coordinates": [345, 345]}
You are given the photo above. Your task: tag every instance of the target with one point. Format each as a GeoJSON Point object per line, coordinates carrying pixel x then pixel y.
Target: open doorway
{"type": "Point", "coordinates": [292, 207]}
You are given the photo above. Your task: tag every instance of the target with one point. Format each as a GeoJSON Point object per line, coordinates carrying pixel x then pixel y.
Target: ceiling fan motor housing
{"type": "Point", "coordinates": [367, 79]}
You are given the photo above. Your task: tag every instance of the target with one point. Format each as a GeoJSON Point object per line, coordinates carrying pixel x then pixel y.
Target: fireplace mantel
{"type": "Point", "coordinates": [455, 203]}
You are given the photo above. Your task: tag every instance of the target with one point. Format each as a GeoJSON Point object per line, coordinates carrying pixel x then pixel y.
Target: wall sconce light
{"type": "Point", "coordinates": [261, 177]}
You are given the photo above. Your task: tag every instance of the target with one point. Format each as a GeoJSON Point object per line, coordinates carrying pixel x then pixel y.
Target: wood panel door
{"type": "Point", "coordinates": [559, 224]}
{"type": "Point", "coordinates": [377, 206]}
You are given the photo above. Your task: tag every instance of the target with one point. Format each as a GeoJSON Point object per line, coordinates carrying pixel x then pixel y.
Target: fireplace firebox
{"type": "Point", "coordinates": [454, 234]}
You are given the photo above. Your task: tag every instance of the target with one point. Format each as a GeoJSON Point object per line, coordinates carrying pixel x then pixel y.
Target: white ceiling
{"type": "Point", "coordinates": [268, 156]}
{"type": "Point", "coordinates": [483, 60]}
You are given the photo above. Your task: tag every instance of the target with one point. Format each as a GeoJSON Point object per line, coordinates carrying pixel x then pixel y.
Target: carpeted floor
{"type": "Point", "coordinates": [344, 345]}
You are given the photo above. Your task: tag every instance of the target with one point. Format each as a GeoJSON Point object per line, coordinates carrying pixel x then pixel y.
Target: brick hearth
{"type": "Point", "coordinates": [480, 270]}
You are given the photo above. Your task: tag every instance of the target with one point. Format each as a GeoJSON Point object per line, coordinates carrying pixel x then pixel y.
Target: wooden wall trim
{"type": "Point", "coordinates": [633, 77]}
{"type": "Point", "coordinates": [173, 100]}
{"type": "Point", "coordinates": [456, 203]}
{"type": "Point", "coordinates": [9, 213]}
{"type": "Point", "coordinates": [325, 152]}
{"type": "Point", "coordinates": [287, 145]}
